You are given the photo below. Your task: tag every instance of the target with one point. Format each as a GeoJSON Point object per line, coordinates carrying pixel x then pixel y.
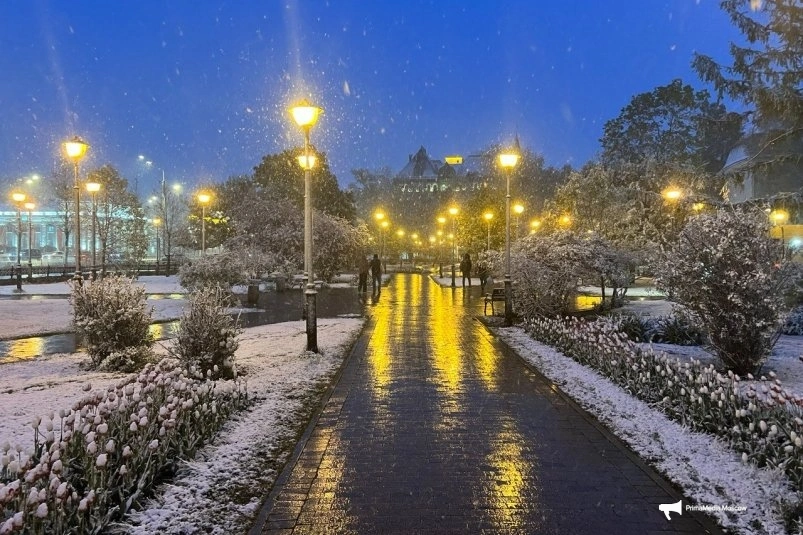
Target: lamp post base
{"type": "Point", "coordinates": [508, 301]}
{"type": "Point", "coordinates": [310, 299]}
{"type": "Point", "coordinates": [19, 277]}
{"type": "Point", "coordinates": [453, 284]}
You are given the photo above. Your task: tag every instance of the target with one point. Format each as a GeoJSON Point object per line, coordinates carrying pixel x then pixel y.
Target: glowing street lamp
{"type": "Point", "coordinates": [19, 198]}
{"type": "Point", "coordinates": [672, 194]}
{"type": "Point", "coordinates": [535, 224]}
{"type": "Point", "coordinates": [75, 150]}
{"type": "Point", "coordinates": [488, 217]}
{"type": "Point", "coordinates": [565, 220]}
{"type": "Point", "coordinates": [518, 209]}
{"type": "Point", "coordinates": [507, 161]}
{"type": "Point", "coordinates": [203, 199]}
{"type": "Point", "coordinates": [305, 116]}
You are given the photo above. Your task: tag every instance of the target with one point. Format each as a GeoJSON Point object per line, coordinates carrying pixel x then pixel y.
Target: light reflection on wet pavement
{"type": "Point", "coordinates": [435, 427]}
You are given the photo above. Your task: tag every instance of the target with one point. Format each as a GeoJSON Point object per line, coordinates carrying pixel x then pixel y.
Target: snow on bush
{"type": "Point", "coordinates": [547, 268]}
{"type": "Point", "coordinates": [224, 269]}
{"type": "Point", "coordinates": [90, 465]}
{"type": "Point", "coordinates": [112, 317]}
{"type": "Point", "coordinates": [207, 335]}
{"type": "Point", "coordinates": [759, 419]}
{"type": "Point", "coordinates": [794, 322]}
{"type": "Point", "coordinates": [679, 328]}
{"type": "Point", "coordinates": [727, 271]}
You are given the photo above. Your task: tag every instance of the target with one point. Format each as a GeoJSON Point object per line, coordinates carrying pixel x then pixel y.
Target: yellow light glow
{"type": "Point", "coordinates": [93, 187]}
{"type": "Point", "coordinates": [508, 160]}
{"type": "Point", "coordinates": [432, 239]}
{"type": "Point", "coordinates": [779, 217]}
{"type": "Point", "coordinates": [414, 235]}
{"type": "Point", "coordinates": [454, 210]}
{"type": "Point", "coordinates": [18, 196]}
{"type": "Point", "coordinates": [30, 206]}
{"type": "Point", "coordinates": [305, 114]}
{"type": "Point", "coordinates": [305, 162]}
{"type": "Point", "coordinates": [157, 221]}
{"type": "Point", "coordinates": [697, 206]}
{"type": "Point", "coordinates": [75, 149]}
{"type": "Point", "coordinates": [454, 160]}
{"type": "Point", "coordinates": [488, 216]}
{"type": "Point", "coordinates": [379, 216]}
{"type": "Point", "coordinates": [565, 220]}
{"type": "Point", "coordinates": [400, 233]}
{"type": "Point", "coordinates": [535, 223]}
{"type": "Point", "coordinates": [518, 208]}
{"type": "Point", "coordinates": [204, 198]}
{"type": "Point", "coordinates": [672, 194]}
{"type": "Point", "coordinates": [384, 224]}
{"type": "Point", "coordinates": [441, 220]}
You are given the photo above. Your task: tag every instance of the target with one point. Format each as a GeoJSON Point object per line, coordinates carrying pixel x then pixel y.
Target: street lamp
{"type": "Point", "coordinates": [453, 211]}
{"type": "Point", "coordinates": [400, 234]}
{"type": "Point", "coordinates": [94, 188]}
{"type": "Point", "coordinates": [75, 150]}
{"type": "Point", "coordinates": [203, 199]}
{"type": "Point", "coordinates": [306, 115]}
{"type": "Point", "coordinates": [508, 160]}
{"type": "Point", "coordinates": [19, 198]}
{"type": "Point", "coordinates": [488, 217]}
{"type": "Point", "coordinates": [30, 206]}
{"type": "Point", "coordinates": [518, 209]}
{"type": "Point", "coordinates": [156, 222]}
{"type": "Point", "coordinates": [535, 224]}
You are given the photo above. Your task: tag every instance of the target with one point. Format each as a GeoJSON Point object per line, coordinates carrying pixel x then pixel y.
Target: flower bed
{"type": "Point", "coordinates": [758, 419]}
{"type": "Point", "coordinates": [91, 464]}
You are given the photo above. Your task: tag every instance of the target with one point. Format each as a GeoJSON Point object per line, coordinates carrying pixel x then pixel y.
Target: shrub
{"type": "Point", "coordinates": [207, 335]}
{"type": "Point", "coordinates": [224, 269]}
{"type": "Point", "coordinates": [632, 325]}
{"type": "Point", "coordinates": [112, 317]}
{"type": "Point", "coordinates": [726, 270]}
{"type": "Point", "coordinates": [679, 328]}
{"type": "Point", "coordinates": [794, 322]}
{"type": "Point", "coordinates": [90, 465]}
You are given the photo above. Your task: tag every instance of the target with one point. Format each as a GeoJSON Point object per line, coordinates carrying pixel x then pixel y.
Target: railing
{"type": "Point", "coordinates": [60, 272]}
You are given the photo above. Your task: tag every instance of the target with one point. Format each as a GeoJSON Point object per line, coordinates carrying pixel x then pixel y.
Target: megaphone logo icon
{"type": "Point", "coordinates": [666, 508]}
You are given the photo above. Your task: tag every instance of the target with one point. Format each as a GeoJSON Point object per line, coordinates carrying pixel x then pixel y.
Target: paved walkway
{"type": "Point", "coordinates": [435, 427]}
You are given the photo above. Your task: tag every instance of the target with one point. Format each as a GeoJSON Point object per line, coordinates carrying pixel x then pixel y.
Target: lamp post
{"type": "Point", "coordinates": [508, 161]}
{"type": "Point", "coordinates": [203, 199]}
{"type": "Point", "coordinates": [94, 188]}
{"type": "Point", "coordinates": [19, 198]}
{"type": "Point", "coordinates": [384, 224]}
{"type": "Point", "coordinates": [379, 215]}
{"type": "Point", "coordinates": [30, 206]}
{"type": "Point", "coordinates": [306, 115]}
{"type": "Point", "coordinates": [75, 150]}
{"type": "Point", "coordinates": [400, 234]}
{"type": "Point", "coordinates": [488, 217]}
{"type": "Point", "coordinates": [453, 211]}
{"type": "Point", "coordinates": [518, 209]}
{"type": "Point", "coordinates": [156, 222]}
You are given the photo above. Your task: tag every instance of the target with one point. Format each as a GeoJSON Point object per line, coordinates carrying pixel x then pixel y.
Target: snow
{"type": "Point", "coordinates": [223, 487]}
{"type": "Point", "coordinates": [272, 358]}
{"type": "Point", "coordinates": [709, 472]}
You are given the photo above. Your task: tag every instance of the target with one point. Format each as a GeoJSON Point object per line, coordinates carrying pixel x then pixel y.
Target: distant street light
{"type": "Point", "coordinates": [672, 194]}
{"type": "Point", "coordinates": [94, 188]}
{"type": "Point", "coordinates": [19, 198]}
{"type": "Point", "coordinates": [29, 206]}
{"type": "Point", "coordinates": [203, 199]}
{"type": "Point", "coordinates": [75, 150]}
{"type": "Point", "coordinates": [534, 225]}
{"type": "Point", "coordinates": [518, 209]}
{"type": "Point", "coordinates": [508, 160]}
{"type": "Point", "coordinates": [305, 116]}
{"type": "Point", "coordinates": [488, 217]}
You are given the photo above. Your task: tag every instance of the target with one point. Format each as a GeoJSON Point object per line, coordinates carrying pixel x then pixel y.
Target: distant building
{"type": "Point", "coordinates": [771, 171]}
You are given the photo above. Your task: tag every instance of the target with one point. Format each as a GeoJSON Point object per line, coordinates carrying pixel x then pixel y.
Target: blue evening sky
{"type": "Point", "coordinates": [202, 87]}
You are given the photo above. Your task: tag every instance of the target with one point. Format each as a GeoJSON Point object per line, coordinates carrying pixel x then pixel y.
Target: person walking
{"type": "Point", "coordinates": [465, 269]}
{"type": "Point", "coordinates": [363, 266]}
{"type": "Point", "coordinates": [376, 274]}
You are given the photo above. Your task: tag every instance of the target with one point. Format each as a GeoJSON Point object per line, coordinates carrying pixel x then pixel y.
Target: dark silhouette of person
{"type": "Point", "coordinates": [482, 273]}
{"type": "Point", "coordinates": [376, 274]}
{"type": "Point", "coordinates": [363, 266]}
{"type": "Point", "coordinates": [465, 269]}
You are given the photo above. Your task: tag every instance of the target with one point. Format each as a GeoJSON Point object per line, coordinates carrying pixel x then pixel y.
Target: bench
{"type": "Point", "coordinates": [497, 294]}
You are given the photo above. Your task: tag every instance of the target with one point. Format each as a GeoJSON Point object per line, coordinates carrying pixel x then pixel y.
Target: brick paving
{"type": "Point", "coordinates": [436, 427]}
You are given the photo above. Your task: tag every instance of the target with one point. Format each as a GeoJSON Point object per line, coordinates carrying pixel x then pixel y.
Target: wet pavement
{"type": "Point", "coordinates": [435, 427]}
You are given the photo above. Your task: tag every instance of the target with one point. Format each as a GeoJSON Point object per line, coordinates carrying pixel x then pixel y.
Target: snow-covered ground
{"type": "Point", "coordinates": [209, 490]}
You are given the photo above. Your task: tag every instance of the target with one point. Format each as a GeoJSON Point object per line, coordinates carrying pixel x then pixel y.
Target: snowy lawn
{"type": "Point", "coordinates": [227, 482]}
